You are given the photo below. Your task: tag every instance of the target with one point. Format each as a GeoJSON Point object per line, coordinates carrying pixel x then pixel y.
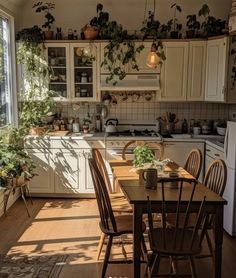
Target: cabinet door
{"type": "Point", "coordinates": [196, 70]}
{"type": "Point", "coordinates": [216, 69]}
{"type": "Point", "coordinates": [43, 182]}
{"type": "Point", "coordinates": [58, 59]}
{"type": "Point", "coordinates": [174, 72]}
{"type": "Point", "coordinates": [66, 171]}
{"type": "Point", "coordinates": [85, 65]}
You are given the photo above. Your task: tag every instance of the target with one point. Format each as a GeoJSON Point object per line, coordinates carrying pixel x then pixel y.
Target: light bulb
{"type": "Point", "coordinates": [153, 59]}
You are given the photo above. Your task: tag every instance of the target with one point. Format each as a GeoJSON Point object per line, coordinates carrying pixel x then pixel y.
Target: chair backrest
{"type": "Point", "coordinates": [180, 230]}
{"type": "Point", "coordinates": [102, 168]}
{"type": "Point", "coordinates": [216, 176]}
{"type": "Point", "coordinates": [193, 164]}
{"type": "Point", "coordinates": [157, 148]}
{"type": "Point", "coordinates": [107, 223]}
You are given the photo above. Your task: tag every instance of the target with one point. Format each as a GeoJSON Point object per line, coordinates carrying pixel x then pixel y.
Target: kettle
{"type": "Point", "coordinates": [111, 125]}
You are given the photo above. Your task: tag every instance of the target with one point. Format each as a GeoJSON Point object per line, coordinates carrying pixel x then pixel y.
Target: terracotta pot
{"type": "Point", "coordinates": [37, 131]}
{"type": "Point", "coordinates": [90, 32]}
{"type": "Point", "coordinates": [48, 35]}
{"type": "Point", "coordinates": [190, 34]}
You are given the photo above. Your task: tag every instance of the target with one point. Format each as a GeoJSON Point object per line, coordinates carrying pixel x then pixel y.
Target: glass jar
{"type": "Point", "coordinates": [84, 77]}
{"type": "Point", "coordinates": [83, 92]}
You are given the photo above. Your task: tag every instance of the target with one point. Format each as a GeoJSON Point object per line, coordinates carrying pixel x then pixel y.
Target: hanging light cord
{"type": "Point", "coordinates": [145, 10]}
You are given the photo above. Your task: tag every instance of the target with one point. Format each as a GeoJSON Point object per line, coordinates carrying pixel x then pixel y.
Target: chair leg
{"type": "Point", "coordinates": [209, 243]}
{"type": "Point", "coordinates": [100, 245]}
{"type": "Point", "coordinates": [23, 197]}
{"type": "Point", "coordinates": [192, 266]}
{"type": "Point", "coordinates": [107, 256]}
{"type": "Point", "coordinates": [28, 192]}
{"type": "Point", "coordinates": [155, 264]}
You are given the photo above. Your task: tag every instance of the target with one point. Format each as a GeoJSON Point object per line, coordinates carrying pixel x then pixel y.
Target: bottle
{"type": "Point", "coordinates": [75, 35]}
{"type": "Point", "coordinates": [70, 34]}
{"type": "Point", "coordinates": [185, 126]}
{"type": "Point", "coordinates": [76, 127]}
{"type": "Point", "coordinates": [98, 123]}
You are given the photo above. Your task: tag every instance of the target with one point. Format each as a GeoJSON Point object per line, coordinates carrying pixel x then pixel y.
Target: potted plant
{"type": "Point", "coordinates": [211, 26]}
{"type": "Point", "coordinates": [151, 28]}
{"type": "Point", "coordinates": [176, 26]}
{"type": "Point", "coordinates": [86, 122]}
{"type": "Point", "coordinates": [142, 154]}
{"type": "Point", "coordinates": [193, 26]}
{"type": "Point", "coordinates": [15, 164]}
{"type": "Point", "coordinates": [46, 8]}
{"type": "Point", "coordinates": [96, 24]}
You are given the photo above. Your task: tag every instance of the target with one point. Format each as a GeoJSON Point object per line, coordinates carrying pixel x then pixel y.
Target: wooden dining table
{"type": "Point", "coordinates": [137, 194]}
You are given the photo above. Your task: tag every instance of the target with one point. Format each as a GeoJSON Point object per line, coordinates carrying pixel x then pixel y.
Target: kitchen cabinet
{"type": "Point", "coordinates": [178, 152]}
{"type": "Point", "coordinates": [75, 68]}
{"type": "Point", "coordinates": [62, 166]}
{"type": "Point", "coordinates": [216, 72]}
{"type": "Point", "coordinates": [174, 72]}
{"type": "Point", "coordinates": [212, 153]}
{"type": "Point", "coordinates": [196, 71]}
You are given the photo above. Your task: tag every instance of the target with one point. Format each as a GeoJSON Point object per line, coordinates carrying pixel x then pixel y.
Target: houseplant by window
{"type": "Point", "coordinates": [14, 161]}
{"type": "Point", "coordinates": [46, 8]}
{"type": "Point", "coordinates": [36, 98]}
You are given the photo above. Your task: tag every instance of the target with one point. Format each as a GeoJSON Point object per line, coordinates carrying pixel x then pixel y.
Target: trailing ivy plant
{"type": "Point", "coordinates": [36, 73]}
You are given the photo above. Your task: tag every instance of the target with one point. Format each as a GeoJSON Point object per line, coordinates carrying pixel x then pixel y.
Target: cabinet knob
{"type": "Point", "coordinates": [216, 154]}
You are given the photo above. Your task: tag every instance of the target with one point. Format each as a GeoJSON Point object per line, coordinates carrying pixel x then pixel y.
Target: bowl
{"type": "Point", "coordinates": [221, 130]}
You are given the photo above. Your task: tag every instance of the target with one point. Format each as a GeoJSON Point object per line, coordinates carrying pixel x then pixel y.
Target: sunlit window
{"type": "Point", "coordinates": [6, 110]}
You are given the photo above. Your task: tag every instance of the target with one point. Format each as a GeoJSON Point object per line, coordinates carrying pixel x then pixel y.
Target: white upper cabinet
{"type": "Point", "coordinates": [76, 69]}
{"type": "Point", "coordinates": [196, 70]}
{"type": "Point", "coordinates": [174, 71]}
{"type": "Point", "coordinates": [57, 55]}
{"type": "Point", "coordinates": [216, 63]}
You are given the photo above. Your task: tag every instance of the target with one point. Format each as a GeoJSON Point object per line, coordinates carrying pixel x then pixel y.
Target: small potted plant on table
{"type": "Point", "coordinates": [46, 8]}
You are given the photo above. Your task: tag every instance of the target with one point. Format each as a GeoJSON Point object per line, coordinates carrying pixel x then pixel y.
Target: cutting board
{"type": "Point", "coordinates": [58, 133]}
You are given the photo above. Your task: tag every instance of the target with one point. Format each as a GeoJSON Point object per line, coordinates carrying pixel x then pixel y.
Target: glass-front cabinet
{"type": "Point", "coordinates": [84, 75]}
{"type": "Point", "coordinates": [58, 60]}
{"type": "Point", "coordinates": [75, 71]}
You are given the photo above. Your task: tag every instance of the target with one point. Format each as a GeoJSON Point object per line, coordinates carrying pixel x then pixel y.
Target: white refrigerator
{"type": "Point", "coordinates": [230, 189]}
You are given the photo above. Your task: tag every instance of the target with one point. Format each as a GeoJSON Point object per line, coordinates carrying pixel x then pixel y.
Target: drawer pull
{"type": "Point", "coordinates": [216, 154]}
{"type": "Point", "coordinates": [208, 150]}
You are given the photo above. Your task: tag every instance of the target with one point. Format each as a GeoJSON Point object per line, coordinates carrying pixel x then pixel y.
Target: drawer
{"type": "Point", "coordinates": [37, 142]}
{"type": "Point", "coordinates": [71, 143]}
{"type": "Point", "coordinates": [214, 153]}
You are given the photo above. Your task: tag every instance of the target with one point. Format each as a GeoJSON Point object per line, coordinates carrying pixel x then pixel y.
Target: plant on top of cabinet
{"type": "Point", "coordinates": [193, 26]}
{"type": "Point", "coordinates": [151, 27]}
{"type": "Point", "coordinates": [176, 26]}
{"type": "Point", "coordinates": [46, 8]}
{"type": "Point", "coordinates": [211, 26]}
{"type": "Point", "coordinates": [37, 99]}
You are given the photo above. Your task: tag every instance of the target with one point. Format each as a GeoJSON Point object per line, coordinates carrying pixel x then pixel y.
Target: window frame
{"type": "Point", "coordinates": [13, 108]}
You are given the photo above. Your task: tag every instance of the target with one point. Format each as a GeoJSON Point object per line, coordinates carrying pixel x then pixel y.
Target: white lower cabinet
{"type": "Point", "coordinates": [43, 182]}
{"type": "Point", "coordinates": [178, 152]}
{"type": "Point", "coordinates": [62, 168]}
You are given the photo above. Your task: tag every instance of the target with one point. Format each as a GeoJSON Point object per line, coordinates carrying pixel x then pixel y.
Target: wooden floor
{"type": "Point", "coordinates": [70, 226]}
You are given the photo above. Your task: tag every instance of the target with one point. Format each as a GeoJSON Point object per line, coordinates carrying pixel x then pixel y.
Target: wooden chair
{"type": "Point", "coordinates": [118, 201]}
{"type": "Point", "coordinates": [177, 241]}
{"type": "Point", "coordinates": [156, 147]}
{"type": "Point", "coordinates": [111, 225]}
{"type": "Point", "coordinates": [215, 179]}
{"type": "Point", "coordinates": [193, 164]}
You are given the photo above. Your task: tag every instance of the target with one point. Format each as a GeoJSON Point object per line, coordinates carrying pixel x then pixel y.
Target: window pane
{"type": "Point", "coordinates": [4, 73]}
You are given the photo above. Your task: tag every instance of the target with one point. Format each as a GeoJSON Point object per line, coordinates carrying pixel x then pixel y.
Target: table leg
{"type": "Point", "coordinates": [137, 226]}
{"type": "Point", "coordinates": [218, 235]}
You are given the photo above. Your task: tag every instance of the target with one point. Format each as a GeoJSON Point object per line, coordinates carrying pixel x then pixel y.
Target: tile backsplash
{"type": "Point", "coordinates": [142, 111]}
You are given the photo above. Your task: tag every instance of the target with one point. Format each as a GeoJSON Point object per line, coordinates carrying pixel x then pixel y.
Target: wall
{"type": "Point", "coordinates": [130, 13]}
{"type": "Point", "coordinates": [142, 111]}
{"type": "Point", "coordinates": [8, 6]}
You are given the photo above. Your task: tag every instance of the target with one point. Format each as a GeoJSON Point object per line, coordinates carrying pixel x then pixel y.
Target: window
{"type": "Point", "coordinates": [6, 73]}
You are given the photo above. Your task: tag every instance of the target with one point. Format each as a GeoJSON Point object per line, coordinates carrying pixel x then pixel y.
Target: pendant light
{"type": "Point", "coordinates": [153, 59]}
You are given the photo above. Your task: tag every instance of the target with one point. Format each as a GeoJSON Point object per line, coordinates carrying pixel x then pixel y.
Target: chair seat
{"type": "Point", "coordinates": [119, 203]}
{"type": "Point", "coordinates": [124, 225]}
{"type": "Point", "coordinates": [169, 249]}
